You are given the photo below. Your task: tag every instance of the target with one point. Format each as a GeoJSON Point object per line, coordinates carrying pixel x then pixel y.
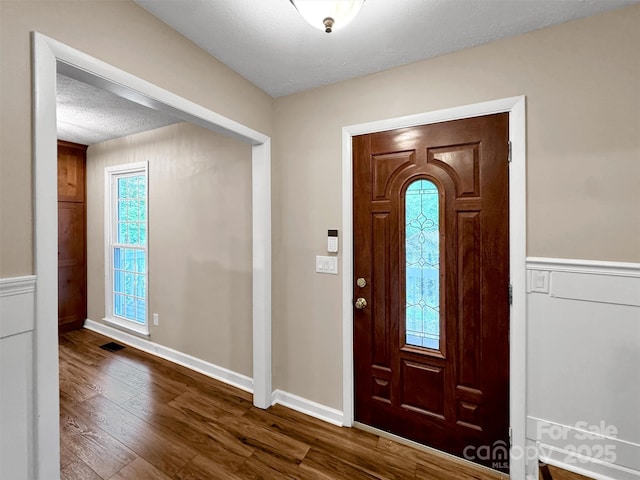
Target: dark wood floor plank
{"type": "Point", "coordinates": [309, 430]}
{"type": "Point", "coordinates": [199, 436]}
{"type": "Point", "coordinates": [78, 470]}
{"type": "Point", "coordinates": [253, 469]}
{"type": "Point", "coordinates": [246, 432]}
{"type": "Point", "coordinates": [139, 469]}
{"type": "Point", "coordinates": [141, 381]}
{"type": "Point", "coordinates": [67, 456]}
{"type": "Point", "coordinates": [109, 387]}
{"type": "Point", "coordinates": [354, 446]}
{"type": "Point", "coordinates": [328, 466]}
{"type": "Point", "coordinates": [71, 391]}
{"type": "Point", "coordinates": [84, 353]}
{"type": "Point", "coordinates": [233, 405]}
{"type": "Point", "coordinates": [430, 463]}
{"type": "Point", "coordinates": [268, 466]}
{"type": "Point", "coordinates": [437, 470]}
{"type": "Point", "coordinates": [160, 448]}
{"type": "Point", "coordinates": [128, 415]}
{"type": "Point", "coordinates": [378, 464]}
{"type": "Point", "coordinates": [86, 336]}
{"type": "Point", "coordinates": [169, 371]}
{"type": "Point", "coordinates": [205, 468]}
{"type": "Point", "coordinates": [132, 372]}
{"type": "Point", "coordinates": [99, 450]}
{"type": "Point", "coordinates": [561, 474]}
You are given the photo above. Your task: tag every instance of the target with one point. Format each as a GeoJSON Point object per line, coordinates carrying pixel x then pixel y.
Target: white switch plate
{"type": "Point", "coordinates": [155, 319]}
{"type": "Point", "coordinates": [327, 265]}
{"type": "Point", "coordinates": [540, 281]}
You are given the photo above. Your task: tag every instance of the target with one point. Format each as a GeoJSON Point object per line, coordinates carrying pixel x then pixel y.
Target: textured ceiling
{"type": "Point", "coordinates": [89, 115]}
{"type": "Point", "coordinates": [267, 41]}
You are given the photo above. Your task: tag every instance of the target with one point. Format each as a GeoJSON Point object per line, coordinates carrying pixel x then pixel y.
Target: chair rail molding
{"type": "Point", "coordinates": [16, 305]}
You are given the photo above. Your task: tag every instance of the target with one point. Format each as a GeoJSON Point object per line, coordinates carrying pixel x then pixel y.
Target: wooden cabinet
{"type": "Point", "coordinates": [72, 234]}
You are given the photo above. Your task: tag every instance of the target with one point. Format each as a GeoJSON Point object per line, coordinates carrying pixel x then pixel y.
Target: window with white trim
{"type": "Point", "coordinates": [126, 259]}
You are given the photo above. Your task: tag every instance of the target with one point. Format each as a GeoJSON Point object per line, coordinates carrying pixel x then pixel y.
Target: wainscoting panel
{"type": "Point", "coordinates": [16, 377]}
{"type": "Point", "coordinates": [583, 364]}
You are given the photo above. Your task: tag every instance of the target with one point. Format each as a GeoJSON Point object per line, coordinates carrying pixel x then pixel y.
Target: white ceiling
{"type": "Point", "coordinates": [88, 115]}
{"type": "Point", "coordinates": [269, 43]}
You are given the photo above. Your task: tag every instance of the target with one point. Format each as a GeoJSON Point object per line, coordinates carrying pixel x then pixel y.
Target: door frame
{"type": "Point", "coordinates": [516, 108]}
{"type": "Point", "coordinates": [49, 57]}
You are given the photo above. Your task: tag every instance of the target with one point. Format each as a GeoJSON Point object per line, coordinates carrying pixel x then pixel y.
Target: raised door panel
{"type": "Point", "coordinates": [72, 296]}
{"type": "Point", "coordinates": [71, 172]}
{"type": "Point", "coordinates": [71, 233]}
{"type": "Point", "coordinates": [72, 305]}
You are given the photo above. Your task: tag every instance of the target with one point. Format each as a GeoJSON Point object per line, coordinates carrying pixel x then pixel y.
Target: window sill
{"type": "Point", "coordinates": [141, 331]}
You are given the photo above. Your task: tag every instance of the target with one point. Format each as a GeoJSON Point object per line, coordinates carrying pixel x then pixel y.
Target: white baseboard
{"type": "Point", "coordinates": [308, 407]}
{"type": "Point", "coordinates": [289, 400]}
{"type": "Point", "coordinates": [209, 369]}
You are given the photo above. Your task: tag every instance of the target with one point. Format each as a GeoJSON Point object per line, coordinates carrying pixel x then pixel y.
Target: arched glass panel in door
{"type": "Point", "coordinates": [422, 256]}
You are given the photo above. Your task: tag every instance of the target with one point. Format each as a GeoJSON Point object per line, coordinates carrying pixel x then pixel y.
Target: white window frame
{"type": "Point", "coordinates": [110, 175]}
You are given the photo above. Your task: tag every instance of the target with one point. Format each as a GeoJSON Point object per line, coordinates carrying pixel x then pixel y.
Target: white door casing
{"type": "Point", "coordinates": [49, 57]}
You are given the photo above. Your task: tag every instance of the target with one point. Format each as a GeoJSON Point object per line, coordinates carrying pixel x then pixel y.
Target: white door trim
{"type": "Point", "coordinates": [516, 107]}
{"type": "Point", "coordinates": [50, 56]}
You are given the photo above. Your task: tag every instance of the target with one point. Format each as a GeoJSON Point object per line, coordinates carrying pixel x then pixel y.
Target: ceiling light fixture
{"type": "Point", "coordinates": [328, 15]}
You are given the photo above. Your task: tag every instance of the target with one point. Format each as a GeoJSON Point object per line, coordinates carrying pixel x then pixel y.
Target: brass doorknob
{"type": "Point", "coordinates": [361, 303]}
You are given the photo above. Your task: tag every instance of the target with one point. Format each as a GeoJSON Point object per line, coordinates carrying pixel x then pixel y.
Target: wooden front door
{"type": "Point", "coordinates": [431, 285]}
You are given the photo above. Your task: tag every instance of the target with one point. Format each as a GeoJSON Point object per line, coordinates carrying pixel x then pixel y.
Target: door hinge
{"type": "Point", "coordinates": [510, 437]}
{"type": "Point", "coordinates": [510, 294]}
{"type": "Point", "coordinates": [510, 152]}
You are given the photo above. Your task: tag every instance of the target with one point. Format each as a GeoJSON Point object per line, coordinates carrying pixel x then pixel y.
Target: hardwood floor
{"type": "Point", "coordinates": [128, 415]}
{"type": "Point", "coordinates": [555, 473]}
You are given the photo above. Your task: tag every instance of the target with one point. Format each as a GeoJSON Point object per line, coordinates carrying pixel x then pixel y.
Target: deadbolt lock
{"type": "Point", "coordinates": [361, 282]}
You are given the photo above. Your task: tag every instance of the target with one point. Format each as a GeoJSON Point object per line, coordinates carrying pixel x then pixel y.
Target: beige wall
{"type": "Point", "coordinates": [124, 35]}
{"type": "Point", "coordinates": [199, 239]}
{"type": "Point", "coordinates": [582, 83]}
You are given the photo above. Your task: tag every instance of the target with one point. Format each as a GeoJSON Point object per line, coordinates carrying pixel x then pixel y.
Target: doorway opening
{"type": "Point", "coordinates": [49, 58]}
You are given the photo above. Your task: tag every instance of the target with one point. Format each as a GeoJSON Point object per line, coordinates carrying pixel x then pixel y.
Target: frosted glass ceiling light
{"type": "Point", "coordinates": [328, 15]}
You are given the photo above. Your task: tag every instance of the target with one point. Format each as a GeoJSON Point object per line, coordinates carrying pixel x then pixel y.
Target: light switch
{"type": "Point", "coordinates": [540, 281]}
{"type": "Point", "coordinates": [327, 265]}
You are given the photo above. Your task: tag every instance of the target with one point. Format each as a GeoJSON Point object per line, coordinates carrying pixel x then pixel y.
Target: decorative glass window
{"type": "Point", "coordinates": [126, 231]}
{"type": "Point", "coordinates": [422, 255]}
